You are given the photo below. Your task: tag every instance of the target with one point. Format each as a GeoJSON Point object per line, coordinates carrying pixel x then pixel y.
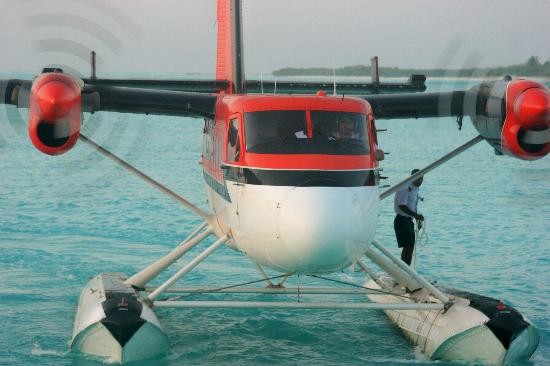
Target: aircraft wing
{"type": "Point", "coordinates": [194, 98]}
{"type": "Point", "coordinates": [416, 83]}
{"type": "Point", "coordinates": [106, 97]}
{"type": "Point", "coordinates": [420, 105]}
{"type": "Point", "coordinates": [193, 86]}
{"type": "Point", "coordinates": [149, 101]}
{"type": "Point", "coordinates": [56, 103]}
{"type": "Point", "coordinates": [513, 116]}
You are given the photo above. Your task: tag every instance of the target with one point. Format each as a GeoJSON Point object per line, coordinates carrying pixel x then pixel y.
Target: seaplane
{"type": "Point", "coordinates": [292, 176]}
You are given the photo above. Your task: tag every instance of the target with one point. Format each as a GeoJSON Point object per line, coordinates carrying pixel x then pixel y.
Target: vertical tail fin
{"type": "Point", "coordinates": [230, 63]}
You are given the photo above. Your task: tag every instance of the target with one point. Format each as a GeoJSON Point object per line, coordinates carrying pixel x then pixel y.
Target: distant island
{"type": "Point", "coordinates": [532, 67]}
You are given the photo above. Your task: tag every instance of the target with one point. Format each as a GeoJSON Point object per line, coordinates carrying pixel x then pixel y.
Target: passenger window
{"type": "Point", "coordinates": [233, 141]}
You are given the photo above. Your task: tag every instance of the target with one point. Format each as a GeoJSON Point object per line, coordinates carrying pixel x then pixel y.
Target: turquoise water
{"type": "Point", "coordinates": [64, 219]}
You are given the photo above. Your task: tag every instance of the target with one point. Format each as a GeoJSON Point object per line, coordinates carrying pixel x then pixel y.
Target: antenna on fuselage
{"type": "Point", "coordinates": [334, 76]}
{"type": "Point", "coordinates": [261, 82]}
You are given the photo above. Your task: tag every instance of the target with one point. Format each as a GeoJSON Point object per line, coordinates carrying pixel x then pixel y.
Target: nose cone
{"type": "Point", "coordinates": [56, 99]}
{"type": "Point", "coordinates": [533, 107]}
{"type": "Point", "coordinates": [323, 229]}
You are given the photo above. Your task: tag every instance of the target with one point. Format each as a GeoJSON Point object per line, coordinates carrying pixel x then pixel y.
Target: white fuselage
{"type": "Point", "coordinates": [298, 229]}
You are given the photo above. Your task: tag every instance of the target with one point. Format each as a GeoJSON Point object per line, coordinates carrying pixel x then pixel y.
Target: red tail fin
{"type": "Point", "coordinates": [230, 65]}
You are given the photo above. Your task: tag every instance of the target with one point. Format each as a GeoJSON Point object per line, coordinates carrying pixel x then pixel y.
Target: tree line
{"type": "Point", "coordinates": [532, 67]}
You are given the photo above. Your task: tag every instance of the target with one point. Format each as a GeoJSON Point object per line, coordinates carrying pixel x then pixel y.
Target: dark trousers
{"type": "Point", "coordinates": [404, 232]}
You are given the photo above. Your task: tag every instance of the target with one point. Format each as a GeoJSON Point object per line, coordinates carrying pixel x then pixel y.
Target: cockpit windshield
{"type": "Point", "coordinates": [292, 132]}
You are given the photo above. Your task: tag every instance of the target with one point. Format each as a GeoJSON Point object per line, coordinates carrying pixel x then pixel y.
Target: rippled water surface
{"type": "Point", "coordinates": [64, 219]}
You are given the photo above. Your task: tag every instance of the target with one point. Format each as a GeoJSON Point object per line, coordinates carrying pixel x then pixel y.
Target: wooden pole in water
{"type": "Point", "coordinates": [375, 75]}
{"type": "Point", "coordinates": [92, 62]}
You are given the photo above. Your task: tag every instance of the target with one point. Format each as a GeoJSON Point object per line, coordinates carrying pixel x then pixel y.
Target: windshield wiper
{"type": "Point", "coordinates": [283, 140]}
{"type": "Point", "coordinates": [352, 141]}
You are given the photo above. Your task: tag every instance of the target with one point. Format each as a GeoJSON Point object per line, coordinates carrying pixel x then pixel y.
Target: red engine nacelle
{"type": "Point", "coordinates": [55, 114]}
{"type": "Point", "coordinates": [527, 114]}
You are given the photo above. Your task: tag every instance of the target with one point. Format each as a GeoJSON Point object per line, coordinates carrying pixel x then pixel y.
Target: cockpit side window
{"type": "Point", "coordinates": [233, 141]}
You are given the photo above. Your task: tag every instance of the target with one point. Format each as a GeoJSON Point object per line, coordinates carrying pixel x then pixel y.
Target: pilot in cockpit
{"type": "Point", "coordinates": [346, 129]}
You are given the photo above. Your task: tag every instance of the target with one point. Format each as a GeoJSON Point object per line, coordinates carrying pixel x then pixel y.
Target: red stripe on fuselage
{"type": "Point", "coordinates": [308, 162]}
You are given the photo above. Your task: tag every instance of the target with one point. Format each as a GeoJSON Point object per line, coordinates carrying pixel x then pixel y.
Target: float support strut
{"type": "Point", "coordinates": [403, 266]}
{"type": "Point", "coordinates": [188, 267]}
{"type": "Point", "coordinates": [296, 305]}
{"type": "Point", "coordinates": [141, 278]}
{"type": "Point", "coordinates": [432, 166]}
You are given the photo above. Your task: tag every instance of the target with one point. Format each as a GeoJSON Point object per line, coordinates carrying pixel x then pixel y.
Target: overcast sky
{"type": "Point", "coordinates": [179, 35]}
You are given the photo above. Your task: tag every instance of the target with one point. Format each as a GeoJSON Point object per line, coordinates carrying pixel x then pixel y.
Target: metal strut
{"type": "Point", "coordinates": [417, 277]}
{"type": "Point", "coordinates": [370, 273]}
{"type": "Point", "coordinates": [273, 290]}
{"type": "Point", "coordinates": [188, 267]}
{"type": "Point", "coordinates": [268, 279]}
{"type": "Point", "coordinates": [145, 177]}
{"type": "Point", "coordinates": [296, 305]}
{"type": "Point", "coordinates": [390, 268]}
{"type": "Point", "coordinates": [432, 166]}
{"type": "Point", "coordinates": [140, 279]}
{"type": "Point", "coordinates": [264, 275]}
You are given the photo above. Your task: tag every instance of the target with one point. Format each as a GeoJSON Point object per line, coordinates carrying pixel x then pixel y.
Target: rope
{"type": "Point", "coordinates": [421, 238]}
{"type": "Point", "coordinates": [358, 286]}
{"type": "Point", "coordinates": [421, 234]}
{"type": "Point", "coordinates": [198, 292]}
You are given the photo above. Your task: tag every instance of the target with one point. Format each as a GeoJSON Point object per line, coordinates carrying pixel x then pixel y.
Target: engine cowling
{"type": "Point", "coordinates": [527, 111]}
{"type": "Point", "coordinates": [513, 117]}
{"type": "Point", "coordinates": [55, 115]}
